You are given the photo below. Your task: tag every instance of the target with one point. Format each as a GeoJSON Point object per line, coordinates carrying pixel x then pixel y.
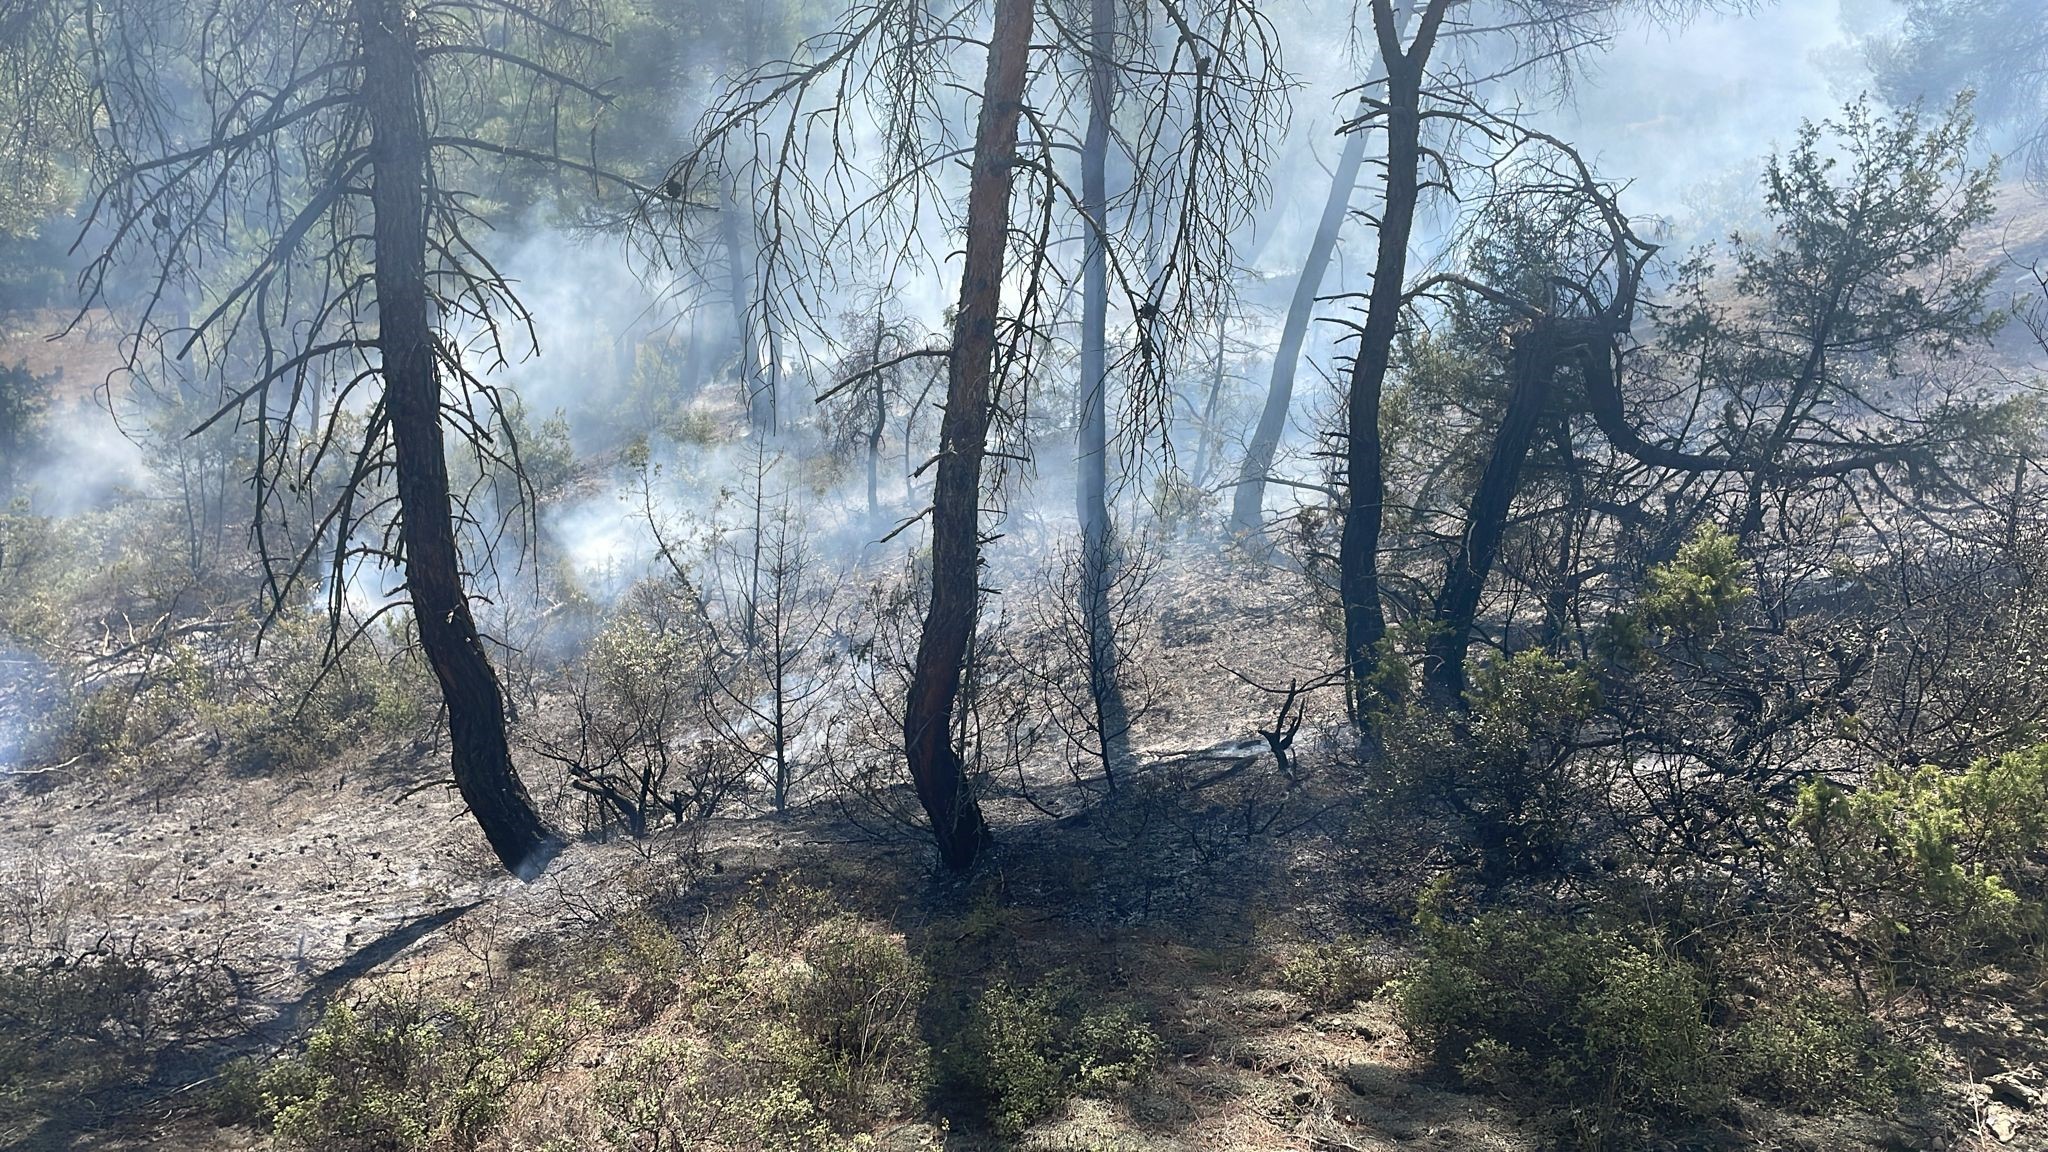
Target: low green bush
{"type": "Point", "coordinates": [640, 967]}
{"type": "Point", "coordinates": [732, 1095]}
{"type": "Point", "coordinates": [1332, 974]}
{"type": "Point", "coordinates": [1524, 792]}
{"type": "Point", "coordinates": [1816, 1053]}
{"type": "Point", "coordinates": [1927, 873]}
{"type": "Point", "coordinates": [83, 1026]}
{"type": "Point", "coordinates": [799, 1032]}
{"type": "Point", "coordinates": [67, 1027]}
{"type": "Point", "coordinates": [403, 1071]}
{"type": "Point", "coordinates": [1605, 1037]}
{"type": "Point", "coordinates": [1027, 1051]}
{"type": "Point", "coordinates": [855, 995]}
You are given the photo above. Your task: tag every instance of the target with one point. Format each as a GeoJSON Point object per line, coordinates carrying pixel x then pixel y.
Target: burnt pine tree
{"type": "Point", "coordinates": [935, 767]}
{"type": "Point", "coordinates": [1105, 692]}
{"type": "Point", "coordinates": [313, 196]}
{"type": "Point", "coordinates": [1247, 507]}
{"type": "Point", "coordinates": [1558, 270]}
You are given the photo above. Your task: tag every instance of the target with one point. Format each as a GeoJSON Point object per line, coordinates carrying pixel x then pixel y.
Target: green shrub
{"type": "Point", "coordinates": [734, 1096]}
{"type": "Point", "coordinates": [856, 995]}
{"type": "Point", "coordinates": [403, 1071]}
{"type": "Point", "coordinates": [1932, 872]}
{"type": "Point", "coordinates": [1604, 1036]}
{"type": "Point", "coordinates": [801, 1035]}
{"type": "Point", "coordinates": [1694, 595]}
{"type": "Point", "coordinates": [1815, 1052]}
{"type": "Point", "coordinates": [1333, 974]}
{"type": "Point", "coordinates": [1028, 1051]}
{"type": "Point", "coordinates": [1524, 791]}
{"type": "Point", "coordinates": [642, 966]}
{"type": "Point", "coordinates": [236, 1095]}
{"type": "Point", "coordinates": [290, 712]}
{"type": "Point", "coordinates": [63, 1027]}
{"type": "Point", "coordinates": [77, 1027]}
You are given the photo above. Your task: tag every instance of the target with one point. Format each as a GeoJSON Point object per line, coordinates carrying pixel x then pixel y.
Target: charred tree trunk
{"type": "Point", "coordinates": [1205, 435]}
{"type": "Point", "coordinates": [881, 422]}
{"type": "Point", "coordinates": [1365, 622]}
{"type": "Point", "coordinates": [1248, 503]}
{"type": "Point", "coordinates": [1531, 366]}
{"type": "Point", "coordinates": [746, 350]}
{"type": "Point", "coordinates": [393, 99]}
{"type": "Point", "coordinates": [1112, 715]}
{"type": "Point", "coordinates": [935, 767]}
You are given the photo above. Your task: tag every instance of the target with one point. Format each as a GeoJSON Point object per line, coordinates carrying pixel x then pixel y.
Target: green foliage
{"type": "Point", "coordinates": [24, 405]}
{"type": "Point", "coordinates": [855, 995]}
{"type": "Point", "coordinates": [69, 1024]}
{"type": "Point", "coordinates": [73, 1027]}
{"type": "Point", "coordinates": [1177, 501]}
{"type": "Point", "coordinates": [1526, 698]}
{"type": "Point", "coordinates": [1695, 594]}
{"type": "Point", "coordinates": [677, 1093]}
{"type": "Point", "coordinates": [1814, 1052]}
{"type": "Point", "coordinates": [1335, 973]}
{"type": "Point", "coordinates": [641, 967]}
{"type": "Point", "coordinates": [548, 457]}
{"type": "Point", "coordinates": [793, 1028]}
{"type": "Point", "coordinates": [1927, 872]}
{"type": "Point", "coordinates": [1863, 267]}
{"type": "Point", "coordinates": [403, 1071]}
{"type": "Point", "coordinates": [629, 743]}
{"type": "Point", "coordinates": [660, 393]}
{"type": "Point", "coordinates": [1520, 784]}
{"type": "Point", "coordinates": [1606, 1037]}
{"type": "Point", "coordinates": [286, 708]}
{"type": "Point", "coordinates": [1027, 1051]}
{"type": "Point", "coordinates": [33, 261]}
{"type": "Point", "coordinates": [1879, 201]}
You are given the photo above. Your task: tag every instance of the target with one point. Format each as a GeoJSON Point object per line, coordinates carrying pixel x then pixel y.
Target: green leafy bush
{"type": "Point", "coordinates": [1520, 784]}
{"type": "Point", "coordinates": [801, 1031]}
{"type": "Point", "coordinates": [641, 967]}
{"type": "Point", "coordinates": [1603, 1035]}
{"type": "Point", "coordinates": [66, 1026]}
{"type": "Point", "coordinates": [1812, 1051]}
{"type": "Point", "coordinates": [1926, 872]}
{"type": "Point", "coordinates": [1334, 973]}
{"type": "Point", "coordinates": [80, 1027]}
{"type": "Point", "coordinates": [856, 995]}
{"type": "Point", "coordinates": [1027, 1051]}
{"type": "Point", "coordinates": [735, 1096]}
{"type": "Point", "coordinates": [1693, 596]}
{"type": "Point", "coordinates": [403, 1071]}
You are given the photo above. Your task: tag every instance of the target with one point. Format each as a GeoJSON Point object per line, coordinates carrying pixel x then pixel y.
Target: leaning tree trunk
{"type": "Point", "coordinates": [1531, 365]}
{"type": "Point", "coordinates": [1248, 504]}
{"type": "Point", "coordinates": [393, 99]}
{"type": "Point", "coordinates": [1105, 691]}
{"type": "Point", "coordinates": [1358, 572]}
{"type": "Point", "coordinates": [935, 767]}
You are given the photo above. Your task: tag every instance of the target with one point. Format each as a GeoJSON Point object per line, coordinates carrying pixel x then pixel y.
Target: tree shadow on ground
{"type": "Point", "coordinates": [184, 1066]}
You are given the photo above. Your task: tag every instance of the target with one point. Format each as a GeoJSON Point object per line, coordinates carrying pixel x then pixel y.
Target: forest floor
{"type": "Point", "coordinates": [1187, 894]}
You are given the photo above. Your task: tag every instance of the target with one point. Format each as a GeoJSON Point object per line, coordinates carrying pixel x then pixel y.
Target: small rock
{"type": "Point", "coordinates": [2008, 1088]}
{"type": "Point", "coordinates": [2000, 1125]}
